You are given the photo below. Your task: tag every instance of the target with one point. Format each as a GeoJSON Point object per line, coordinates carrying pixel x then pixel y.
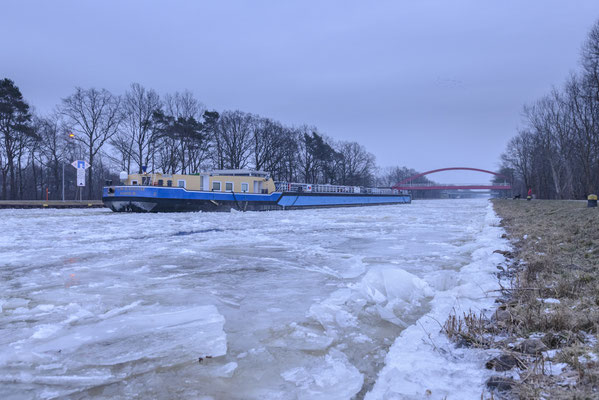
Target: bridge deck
{"type": "Point", "coordinates": [405, 185]}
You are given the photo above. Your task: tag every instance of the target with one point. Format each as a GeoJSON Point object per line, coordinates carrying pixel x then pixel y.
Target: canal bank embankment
{"type": "Point", "coordinates": [545, 328]}
{"type": "Point", "coordinates": [51, 204]}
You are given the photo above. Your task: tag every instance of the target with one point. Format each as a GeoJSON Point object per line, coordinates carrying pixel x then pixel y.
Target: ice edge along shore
{"type": "Point", "coordinates": [423, 361]}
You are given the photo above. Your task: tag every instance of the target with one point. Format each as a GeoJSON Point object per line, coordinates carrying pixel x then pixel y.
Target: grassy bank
{"type": "Point", "coordinates": [545, 327]}
{"type": "Point", "coordinates": [553, 295]}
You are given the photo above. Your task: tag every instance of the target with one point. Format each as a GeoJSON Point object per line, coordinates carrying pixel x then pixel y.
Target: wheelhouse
{"type": "Point", "coordinates": [227, 181]}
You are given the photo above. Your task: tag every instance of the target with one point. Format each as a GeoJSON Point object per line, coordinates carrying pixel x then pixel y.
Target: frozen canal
{"type": "Point", "coordinates": [261, 305]}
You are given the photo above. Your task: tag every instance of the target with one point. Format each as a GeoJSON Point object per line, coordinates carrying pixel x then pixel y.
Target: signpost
{"type": "Point", "coordinates": [81, 166]}
{"type": "Point", "coordinates": [80, 177]}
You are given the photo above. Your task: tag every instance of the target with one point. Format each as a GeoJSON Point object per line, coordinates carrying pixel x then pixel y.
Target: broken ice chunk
{"type": "Point", "coordinates": [331, 377]}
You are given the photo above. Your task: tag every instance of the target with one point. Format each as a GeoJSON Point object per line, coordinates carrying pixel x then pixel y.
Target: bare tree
{"type": "Point", "coordinates": [356, 165]}
{"type": "Point", "coordinates": [269, 141]}
{"type": "Point", "coordinates": [52, 148]}
{"type": "Point", "coordinates": [286, 166]}
{"type": "Point", "coordinates": [94, 116]}
{"type": "Point", "coordinates": [583, 114]}
{"type": "Point", "coordinates": [183, 152]}
{"type": "Point", "coordinates": [139, 105]}
{"type": "Point", "coordinates": [590, 59]}
{"type": "Point", "coordinates": [235, 130]}
{"type": "Point", "coordinates": [557, 152]}
{"type": "Point", "coordinates": [306, 158]}
{"type": "Point", "coordinates": [123, 155]}
{"type": "Point", "coordinates": [541, 118]}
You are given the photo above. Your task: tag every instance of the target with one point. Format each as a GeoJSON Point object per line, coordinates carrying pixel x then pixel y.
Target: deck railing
{"type": "Point", "coordinates": [450, 184]}
{"type": "Point", "coordinates": [325, 188]}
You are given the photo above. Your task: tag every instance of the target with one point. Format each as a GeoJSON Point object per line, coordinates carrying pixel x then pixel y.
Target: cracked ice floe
{"type": "Point", "coordinates": [141, 338]}
{"type": "Point", "coordinates": [395, 292]}
{"type": "Point", "coordinates": [392, 294]}
{"type": "Point", "coordinates": [330, 377]}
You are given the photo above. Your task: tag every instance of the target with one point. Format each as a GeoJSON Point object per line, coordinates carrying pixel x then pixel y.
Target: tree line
{"type": "Point", "coordinates": [174, 133]}
{"type": "Point", "coordinates": [556, 152]}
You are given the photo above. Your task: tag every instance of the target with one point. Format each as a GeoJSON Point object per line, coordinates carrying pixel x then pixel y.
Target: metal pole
{"type": "Point", "coordinates": [63, 181]}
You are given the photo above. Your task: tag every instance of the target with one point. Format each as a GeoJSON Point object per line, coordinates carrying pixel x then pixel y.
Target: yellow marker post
{"type": "Point", "coordinates": [592, 200]}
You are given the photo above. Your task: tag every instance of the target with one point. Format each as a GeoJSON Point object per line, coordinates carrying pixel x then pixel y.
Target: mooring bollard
{"type": "Point", "coordinates": [592, 200]}
{"type": "Point", "coordinates": [529, 198]}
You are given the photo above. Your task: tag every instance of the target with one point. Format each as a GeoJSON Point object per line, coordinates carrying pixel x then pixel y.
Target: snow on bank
{"type": "Point", "coordinates": [422, 361]}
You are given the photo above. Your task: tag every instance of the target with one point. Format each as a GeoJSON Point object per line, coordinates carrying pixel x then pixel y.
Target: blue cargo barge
{"type": "Point", "coordinates": [235, 189]}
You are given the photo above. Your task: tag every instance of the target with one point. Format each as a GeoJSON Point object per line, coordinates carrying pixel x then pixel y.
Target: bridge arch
{"type": "Point", "coordinates": [411, 178]}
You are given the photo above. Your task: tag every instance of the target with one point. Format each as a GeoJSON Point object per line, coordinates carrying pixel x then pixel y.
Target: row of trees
{"type": "Point", "coordinates": [390, 176]}
{"type": "Point", "coordinates": [556, 153]}
{"type": "Point", "coordinates": [174, 133]}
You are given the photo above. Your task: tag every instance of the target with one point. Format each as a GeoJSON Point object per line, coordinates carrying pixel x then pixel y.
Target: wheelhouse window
{"type": "Point", "coordinates": [215, 186]}
{"type": "Point", "coordinates": [181, 183]}
{"type": "Point", "coordinates": [160, 182]}
{"type": "Point", "coordinates": [228, 186]}
{"type": "Point", "coordinates": [169, 183]}
{"type": "Point", "coordinates": [245, 187]}
{"type": "Point", "coordinates": [134, 182]}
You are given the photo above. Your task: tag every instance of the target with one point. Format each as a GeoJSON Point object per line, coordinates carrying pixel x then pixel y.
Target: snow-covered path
{"type": "Point", "coordinates": [286, 304]}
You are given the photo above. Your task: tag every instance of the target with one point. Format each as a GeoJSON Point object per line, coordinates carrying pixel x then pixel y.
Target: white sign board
{"type": "Point", "coordinates": [80, 176]}
{"type": "Point", "coordinates": [81, 164]}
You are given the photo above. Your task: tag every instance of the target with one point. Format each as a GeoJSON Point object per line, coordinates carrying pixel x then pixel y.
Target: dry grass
{"type": "Point", "coordinates": [553, 295]}
{"type": "Point", "coordinates": [468, 330]}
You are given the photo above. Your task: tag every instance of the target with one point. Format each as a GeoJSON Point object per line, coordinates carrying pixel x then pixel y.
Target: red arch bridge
{"type": "Point", "coordinates": [406, 184]}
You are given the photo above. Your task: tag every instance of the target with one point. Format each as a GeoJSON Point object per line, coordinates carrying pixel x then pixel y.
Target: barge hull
{"type": "Point", "coordinates": [292, 200]}
{"type": "Point", "coordinates": [155, 199]}
{"type": "Point", "coordinates": [160, 199]}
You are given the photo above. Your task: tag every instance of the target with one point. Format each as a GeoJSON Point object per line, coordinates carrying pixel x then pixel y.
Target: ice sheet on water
{"type": "Point", "coordinates": [14, 302]}
{"type": "Point", "coordinates": [125, 338]}
{"type": "Point", "coordinates": [396, 292]}
{"type": "Point", "coordinates": [332, 312]}
{"type": "Point", "coordinates": [80, 354]}
{"type": "Point", "coordinates": [219, 371]}
{"type": "Point", "coordinates": [300, 337]}
{"type": "Point", "coordinates": [351, 267]}
{"type": "Point", "coordinates": [391, 294]}
{"type": "Point", "coordinates": [386, 297]}
{"type": "Point", "coordinates": [310, 297]}
{"type": "Point", "coordinates": [330, 377]}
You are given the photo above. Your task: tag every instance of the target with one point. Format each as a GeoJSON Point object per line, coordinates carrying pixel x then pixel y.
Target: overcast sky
{"type": "Point", "coordinates": [425, 84]}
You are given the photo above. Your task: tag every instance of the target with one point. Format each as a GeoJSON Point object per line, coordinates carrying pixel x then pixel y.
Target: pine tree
{"type": "Point", "coordinates": [15, 126]}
